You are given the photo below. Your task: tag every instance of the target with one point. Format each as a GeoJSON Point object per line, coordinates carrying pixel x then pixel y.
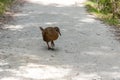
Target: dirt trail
{"type": "Point", "coordinates": [87, 49]}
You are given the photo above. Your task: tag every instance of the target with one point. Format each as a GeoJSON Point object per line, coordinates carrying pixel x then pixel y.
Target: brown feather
{"type": "Point", "coordinates": [50, 34]}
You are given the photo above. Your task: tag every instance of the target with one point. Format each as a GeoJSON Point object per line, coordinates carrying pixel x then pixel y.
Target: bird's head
{"type": "Point", "coordinates": [58, 30]}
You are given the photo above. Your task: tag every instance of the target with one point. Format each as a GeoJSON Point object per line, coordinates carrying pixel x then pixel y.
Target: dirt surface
{"type": "Point", "coordinates": [87, 49]}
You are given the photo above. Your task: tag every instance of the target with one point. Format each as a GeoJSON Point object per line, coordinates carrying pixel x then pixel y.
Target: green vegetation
{"type": "Point", "coordinates": [4, 4]}
{"type": "Point", "coordinates": [106, 10]}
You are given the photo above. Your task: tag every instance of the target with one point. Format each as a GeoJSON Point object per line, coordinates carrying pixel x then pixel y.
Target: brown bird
{"type": "Point", "coordinates": [50, 34]}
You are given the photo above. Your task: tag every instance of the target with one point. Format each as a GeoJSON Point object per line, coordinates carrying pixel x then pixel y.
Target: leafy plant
{"type": "Point", "coordinates": [106, 10]}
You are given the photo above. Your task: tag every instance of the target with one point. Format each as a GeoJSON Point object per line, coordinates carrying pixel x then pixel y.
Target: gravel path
{"type": "Point", "coordinates": [87, 49]}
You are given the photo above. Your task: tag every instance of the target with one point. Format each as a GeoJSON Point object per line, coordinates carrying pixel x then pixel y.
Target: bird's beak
{"type": "Point", "coordinates": [59, 33]}
{"type": "Point", "coordinates": [58, 30]}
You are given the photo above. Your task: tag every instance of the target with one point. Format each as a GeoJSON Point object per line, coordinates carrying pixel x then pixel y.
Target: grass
{"type": "Point", "coordinates": [104, 16]}
{"type": "Point", "coordinates": [4, 5]}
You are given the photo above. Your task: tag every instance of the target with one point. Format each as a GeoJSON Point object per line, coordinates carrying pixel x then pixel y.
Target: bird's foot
{"type": "Point", "coordinates": [50, 48]}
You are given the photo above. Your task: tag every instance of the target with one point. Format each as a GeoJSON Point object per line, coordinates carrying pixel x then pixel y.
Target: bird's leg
{"type": "Point", "coordinates": [48, 45]}
{"type": "Point", "coordinates": [52, 44]}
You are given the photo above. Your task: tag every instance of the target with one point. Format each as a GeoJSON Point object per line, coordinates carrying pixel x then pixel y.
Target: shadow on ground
{"type": "Point", "coordinates": [85, 51]}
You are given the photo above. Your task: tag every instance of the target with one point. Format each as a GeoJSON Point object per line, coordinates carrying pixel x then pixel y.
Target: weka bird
{"type": "Point", "coordinates": [50, 34]}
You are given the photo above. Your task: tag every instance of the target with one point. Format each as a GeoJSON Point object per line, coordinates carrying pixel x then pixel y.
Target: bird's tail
{"type": "Point", "coordinates": [41, 29]}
